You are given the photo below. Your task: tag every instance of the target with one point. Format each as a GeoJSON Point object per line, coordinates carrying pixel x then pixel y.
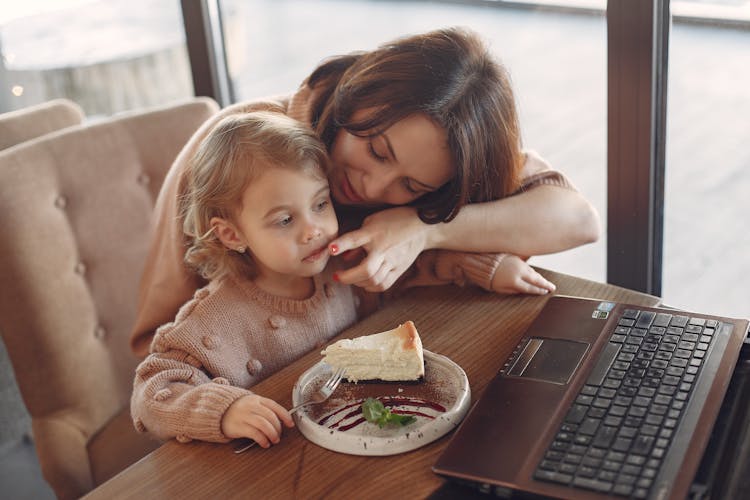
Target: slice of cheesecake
{"type": "Point", "coordinates": [394, 355]}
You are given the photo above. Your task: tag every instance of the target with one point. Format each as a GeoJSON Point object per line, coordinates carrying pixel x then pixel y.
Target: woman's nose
{"type": "Point", "coordinates": [376, 185]}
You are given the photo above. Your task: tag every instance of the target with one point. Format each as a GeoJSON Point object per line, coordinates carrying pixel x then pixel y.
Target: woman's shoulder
{"type": "Point", "coordinates": [537, 171]}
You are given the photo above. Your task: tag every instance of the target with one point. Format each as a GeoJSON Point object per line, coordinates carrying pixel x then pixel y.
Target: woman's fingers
{"type": "Point", "coordinates": [349, 241]}
{"type": "Point", "coordinates": [539, 281]}
{"type": "Point", "coordinates": [363, 272]}
{"type": "Point", "coordinates": [379, 280]}
{"type": "Point", "coordinates": [534, 283]}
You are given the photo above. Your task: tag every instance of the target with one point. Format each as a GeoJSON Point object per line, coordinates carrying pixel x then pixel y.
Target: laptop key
{"type": "Point", "coordinates": [592, 484]}
{"type": "Point", "coordinates": [622, 489]}
{"type": "Point", "coordinates": [555, 477]}
{"type": "Point", "coordinates": [576, 414]}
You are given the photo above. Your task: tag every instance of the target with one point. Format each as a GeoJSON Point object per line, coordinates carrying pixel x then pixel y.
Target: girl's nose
{"type": "Point", "coordinates": [312, 232]}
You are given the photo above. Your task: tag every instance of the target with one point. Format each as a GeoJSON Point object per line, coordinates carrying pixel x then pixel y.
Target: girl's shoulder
{"type": "Point", "coordinates": [191, 320]}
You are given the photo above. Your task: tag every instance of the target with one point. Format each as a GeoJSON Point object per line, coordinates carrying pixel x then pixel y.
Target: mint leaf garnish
{"type": "Point", "coordinates": [375, 412]}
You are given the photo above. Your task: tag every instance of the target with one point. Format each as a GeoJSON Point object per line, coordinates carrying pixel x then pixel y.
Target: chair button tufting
{"type": "Point", "coordinates": [80, 268]}
{"type": "Point", "coordinates": [100, 332]}
{"type": "Point", "coordinates": [144, 179]}
{"type": "Point", "coordinates": [61, 201]}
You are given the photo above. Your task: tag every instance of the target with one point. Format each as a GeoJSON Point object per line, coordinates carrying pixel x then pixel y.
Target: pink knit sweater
{"type": "Point", "coordinates": [227, 338]}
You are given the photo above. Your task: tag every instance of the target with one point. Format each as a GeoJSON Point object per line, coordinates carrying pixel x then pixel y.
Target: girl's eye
{"type": "Point", "coordinates": [374, 153]}
{"type": "Point", "coordinates": [284, 221]}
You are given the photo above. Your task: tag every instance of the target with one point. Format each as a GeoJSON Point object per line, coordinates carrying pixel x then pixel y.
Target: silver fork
{"type": "Point", "coordinates": [323, 393]}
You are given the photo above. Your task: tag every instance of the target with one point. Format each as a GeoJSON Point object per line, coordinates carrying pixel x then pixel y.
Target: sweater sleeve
{"type": "Point", "coordinates": [444, 267]}
{"type": "Point", "coordinates": [537, 172]}
{"type": "Point", "coordinates": [174, 398]}
{"type": "Point", "coordinates": [167, 282]}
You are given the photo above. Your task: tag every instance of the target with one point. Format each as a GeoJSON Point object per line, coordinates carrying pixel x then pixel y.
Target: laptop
{"type": "Point", "coordinates": [599, 400]}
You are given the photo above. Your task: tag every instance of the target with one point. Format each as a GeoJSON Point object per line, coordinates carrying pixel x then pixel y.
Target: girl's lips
{"type": "Point", "coordinates": [317, 254]}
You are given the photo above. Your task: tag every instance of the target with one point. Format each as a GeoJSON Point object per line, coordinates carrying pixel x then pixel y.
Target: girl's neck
{"type": "Point", "coordinates": [288, 287]}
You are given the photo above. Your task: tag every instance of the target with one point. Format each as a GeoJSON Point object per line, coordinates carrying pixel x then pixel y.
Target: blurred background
{"type": "Point", "coordinates": [116, 55]}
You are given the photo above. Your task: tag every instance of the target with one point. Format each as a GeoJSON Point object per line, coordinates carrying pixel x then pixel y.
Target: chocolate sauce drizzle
{"type": "Point", "coordinates": [353, 409]}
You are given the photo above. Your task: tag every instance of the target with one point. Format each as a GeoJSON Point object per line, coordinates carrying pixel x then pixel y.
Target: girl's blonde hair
{"type": "Point", "coordinates": [236, 151]}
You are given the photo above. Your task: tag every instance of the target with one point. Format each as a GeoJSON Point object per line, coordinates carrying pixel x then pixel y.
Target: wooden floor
{"type": "Point", "coordinates": [558, 64]}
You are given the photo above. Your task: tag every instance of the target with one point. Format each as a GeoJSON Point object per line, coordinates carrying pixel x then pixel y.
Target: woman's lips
{"type": "Point", "coordinates": [348, 191]}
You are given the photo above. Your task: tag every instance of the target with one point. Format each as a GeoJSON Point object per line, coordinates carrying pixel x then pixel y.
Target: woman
{"type": "Point", "coordinates": [426, 155]}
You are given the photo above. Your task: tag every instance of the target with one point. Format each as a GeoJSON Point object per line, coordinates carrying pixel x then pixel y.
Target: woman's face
{"type": "Point", "coordinates": [409, 159]}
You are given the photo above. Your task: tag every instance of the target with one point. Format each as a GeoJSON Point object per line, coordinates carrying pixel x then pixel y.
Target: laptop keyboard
{"type": "Point", "coordinates": [618, 430]}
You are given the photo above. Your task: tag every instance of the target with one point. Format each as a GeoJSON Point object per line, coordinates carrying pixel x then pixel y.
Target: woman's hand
{"type": "Point", "coordinates": [257, 418]}
{"type": "Point", "coordinates": [392, 239]}
{"type": "Point", "coordinates": [514, 275]}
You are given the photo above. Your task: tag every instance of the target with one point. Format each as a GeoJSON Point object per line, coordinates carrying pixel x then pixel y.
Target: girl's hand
{"type": "Point", "coordinates": [257, 418]}
{"type": "Point", "coordinates": [514, 275]}
{"type": "Point", "coordinates": [392, 239]}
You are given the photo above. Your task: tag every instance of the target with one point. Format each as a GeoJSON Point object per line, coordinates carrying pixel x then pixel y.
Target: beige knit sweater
{"type": "Point", "coordinates": [227, 338]}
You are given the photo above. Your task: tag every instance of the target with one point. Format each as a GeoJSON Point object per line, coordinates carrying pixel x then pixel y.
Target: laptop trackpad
{"type": "Point", "coordinates": [549, 360]}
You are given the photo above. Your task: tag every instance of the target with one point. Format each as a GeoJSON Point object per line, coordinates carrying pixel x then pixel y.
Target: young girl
{"type": "Point", "coordinates": [258, 216]}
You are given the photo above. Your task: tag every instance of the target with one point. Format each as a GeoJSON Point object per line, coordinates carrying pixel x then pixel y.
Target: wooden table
{"type": "Point", "coordinates": [474, 328]}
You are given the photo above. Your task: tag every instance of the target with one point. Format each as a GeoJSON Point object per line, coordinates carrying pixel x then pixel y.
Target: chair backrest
{"type": "Point", "coordinates": [17, 127]}
{"type": "Point", "coordinates": [35, 121]}
{"type": "Point", "coordinates": [75, 210]}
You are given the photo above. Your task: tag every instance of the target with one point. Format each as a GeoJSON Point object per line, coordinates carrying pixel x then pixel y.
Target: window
{"type": "Point", "coordinates": [706, 228]}
{"type": "Point", "coordinates": [107, 56]}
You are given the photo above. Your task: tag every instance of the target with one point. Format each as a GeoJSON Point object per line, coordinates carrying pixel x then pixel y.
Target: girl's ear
{"type": "Point", "coordinates": [227, 233]}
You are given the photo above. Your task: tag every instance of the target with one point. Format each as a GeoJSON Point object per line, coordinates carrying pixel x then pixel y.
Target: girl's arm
{"type": "Point", "coordinates": [173, 398]}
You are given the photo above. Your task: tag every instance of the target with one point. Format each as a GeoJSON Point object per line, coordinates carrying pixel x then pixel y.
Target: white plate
{"type": "Point", "coordinates": [444, 384]}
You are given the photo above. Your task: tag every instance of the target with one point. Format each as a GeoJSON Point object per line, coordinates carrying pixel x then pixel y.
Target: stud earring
{"type": "Point", "coordinates": [241, 249]}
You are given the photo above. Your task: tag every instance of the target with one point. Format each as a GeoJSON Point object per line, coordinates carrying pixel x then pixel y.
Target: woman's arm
{"type": "Point", "coordinates": [547, 216]}
{"type": "Point", "coordinates": [541, 220]}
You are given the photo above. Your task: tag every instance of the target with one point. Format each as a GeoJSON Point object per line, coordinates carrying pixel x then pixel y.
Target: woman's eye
{"type": "Point", "coordinates": [410, 189]}
{"type": "Point", "coordinates": [374, 153]}
{"type": "Point", "coordinates": [320, 206]}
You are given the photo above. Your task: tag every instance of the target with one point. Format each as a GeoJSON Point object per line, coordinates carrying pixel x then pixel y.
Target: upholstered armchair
{"type": "Point", "coordinates": [75, 208]}
{"type": "Point", "coordinates": [35, 121]}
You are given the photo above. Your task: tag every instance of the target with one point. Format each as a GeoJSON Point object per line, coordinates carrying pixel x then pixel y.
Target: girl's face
{"type": "Point", "coordinates": [287, 221]}
{"type": "Point", "coordinates": [409, 159]}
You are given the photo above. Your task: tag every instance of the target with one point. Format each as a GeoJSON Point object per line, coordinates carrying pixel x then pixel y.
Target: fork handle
{"type": "Point", "coordinates": [246, 447]}
{"type": "Point", "coordinates": [300, 406]}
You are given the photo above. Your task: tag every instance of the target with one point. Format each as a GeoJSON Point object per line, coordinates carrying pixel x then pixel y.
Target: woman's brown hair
{"type": "Point", "coordinates": [448, 75]}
